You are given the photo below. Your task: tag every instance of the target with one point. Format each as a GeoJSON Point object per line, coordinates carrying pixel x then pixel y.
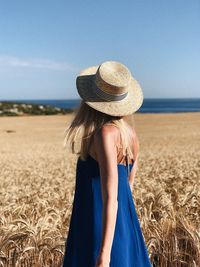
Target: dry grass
{"type": "Point", "coordinates": [37, 188]}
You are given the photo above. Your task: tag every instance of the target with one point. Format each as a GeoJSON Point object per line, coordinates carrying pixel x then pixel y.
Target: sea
{"type": "Point", "coordinates": [150, 105]}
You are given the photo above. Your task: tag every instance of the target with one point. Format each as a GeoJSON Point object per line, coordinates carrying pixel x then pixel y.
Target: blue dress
{"type": "Point", "coordinates": [84, 235]}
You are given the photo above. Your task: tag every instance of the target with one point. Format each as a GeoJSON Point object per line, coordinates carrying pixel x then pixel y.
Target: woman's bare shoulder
{"type": "Point", "coordinates": [107, 131]}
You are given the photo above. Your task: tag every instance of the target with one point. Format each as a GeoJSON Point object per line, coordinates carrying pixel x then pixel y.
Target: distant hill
{"type": "Point", "coordinates": [20, 109]}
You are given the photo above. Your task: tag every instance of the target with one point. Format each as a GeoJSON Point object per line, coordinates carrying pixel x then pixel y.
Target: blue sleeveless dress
{"type": "Point", "coordinates": [84, 235]}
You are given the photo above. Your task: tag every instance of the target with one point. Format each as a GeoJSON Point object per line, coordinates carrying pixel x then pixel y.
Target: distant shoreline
{"type": "Point", "coordinates": [8, 108]}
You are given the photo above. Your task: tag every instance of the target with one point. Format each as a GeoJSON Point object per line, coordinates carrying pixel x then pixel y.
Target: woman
{"type": "Point", "coordinates": [104, 228]}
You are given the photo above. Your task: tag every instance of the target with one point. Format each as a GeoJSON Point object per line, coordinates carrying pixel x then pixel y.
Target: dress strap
{"type": "Point", "coordinates": [127, 165]}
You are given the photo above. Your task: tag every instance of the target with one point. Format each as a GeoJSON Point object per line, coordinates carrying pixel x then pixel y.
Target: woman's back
{"type": "Point", "coordinates": [120, 156]}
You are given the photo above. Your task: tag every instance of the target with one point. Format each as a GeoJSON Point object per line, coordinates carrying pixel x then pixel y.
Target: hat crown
{"type": "Point", "coordinates": [113, 77]}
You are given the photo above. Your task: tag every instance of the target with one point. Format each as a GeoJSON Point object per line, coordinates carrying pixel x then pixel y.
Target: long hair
{"type": "Point", "coordinates": [87, 121]}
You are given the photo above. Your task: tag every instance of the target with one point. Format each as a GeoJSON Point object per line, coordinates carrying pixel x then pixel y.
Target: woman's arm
{"type": "Point", "coordinates": [106, 153]}
{"type": "Point", "coordinates": [135, 166]}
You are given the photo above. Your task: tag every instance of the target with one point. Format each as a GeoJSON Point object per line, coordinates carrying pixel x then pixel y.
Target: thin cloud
{"type": "Point", "coordinates": [34, 63]}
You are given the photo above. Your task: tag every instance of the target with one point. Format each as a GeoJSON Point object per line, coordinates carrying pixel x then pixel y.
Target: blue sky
{"type": "Point", "coordinates": [44, 45]}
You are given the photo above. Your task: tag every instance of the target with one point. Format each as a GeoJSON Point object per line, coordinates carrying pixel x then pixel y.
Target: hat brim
{"type": "Point", "coordinates": [85, 83]}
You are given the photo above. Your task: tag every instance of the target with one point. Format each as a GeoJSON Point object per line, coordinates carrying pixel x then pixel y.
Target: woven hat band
{"type": "Point", "coordinates": [108, 97]}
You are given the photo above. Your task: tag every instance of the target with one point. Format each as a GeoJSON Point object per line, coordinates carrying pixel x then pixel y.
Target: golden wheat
{"type": "Point", "coordinates": [37, 179]}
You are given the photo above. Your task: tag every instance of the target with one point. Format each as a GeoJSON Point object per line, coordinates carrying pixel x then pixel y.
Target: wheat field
{"type": "Point", "coordinates": [37, 178]}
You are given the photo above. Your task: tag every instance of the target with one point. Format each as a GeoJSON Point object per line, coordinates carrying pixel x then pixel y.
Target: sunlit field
{"type": "Point", "coordinates": [37, 178]}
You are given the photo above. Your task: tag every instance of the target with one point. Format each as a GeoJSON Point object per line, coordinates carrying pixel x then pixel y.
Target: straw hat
{"type": "Point", "coordinates": [110, 88]}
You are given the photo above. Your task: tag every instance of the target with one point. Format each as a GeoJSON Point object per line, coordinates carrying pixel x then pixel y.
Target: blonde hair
{"type": "Point", "coordinates": [87, 121]}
